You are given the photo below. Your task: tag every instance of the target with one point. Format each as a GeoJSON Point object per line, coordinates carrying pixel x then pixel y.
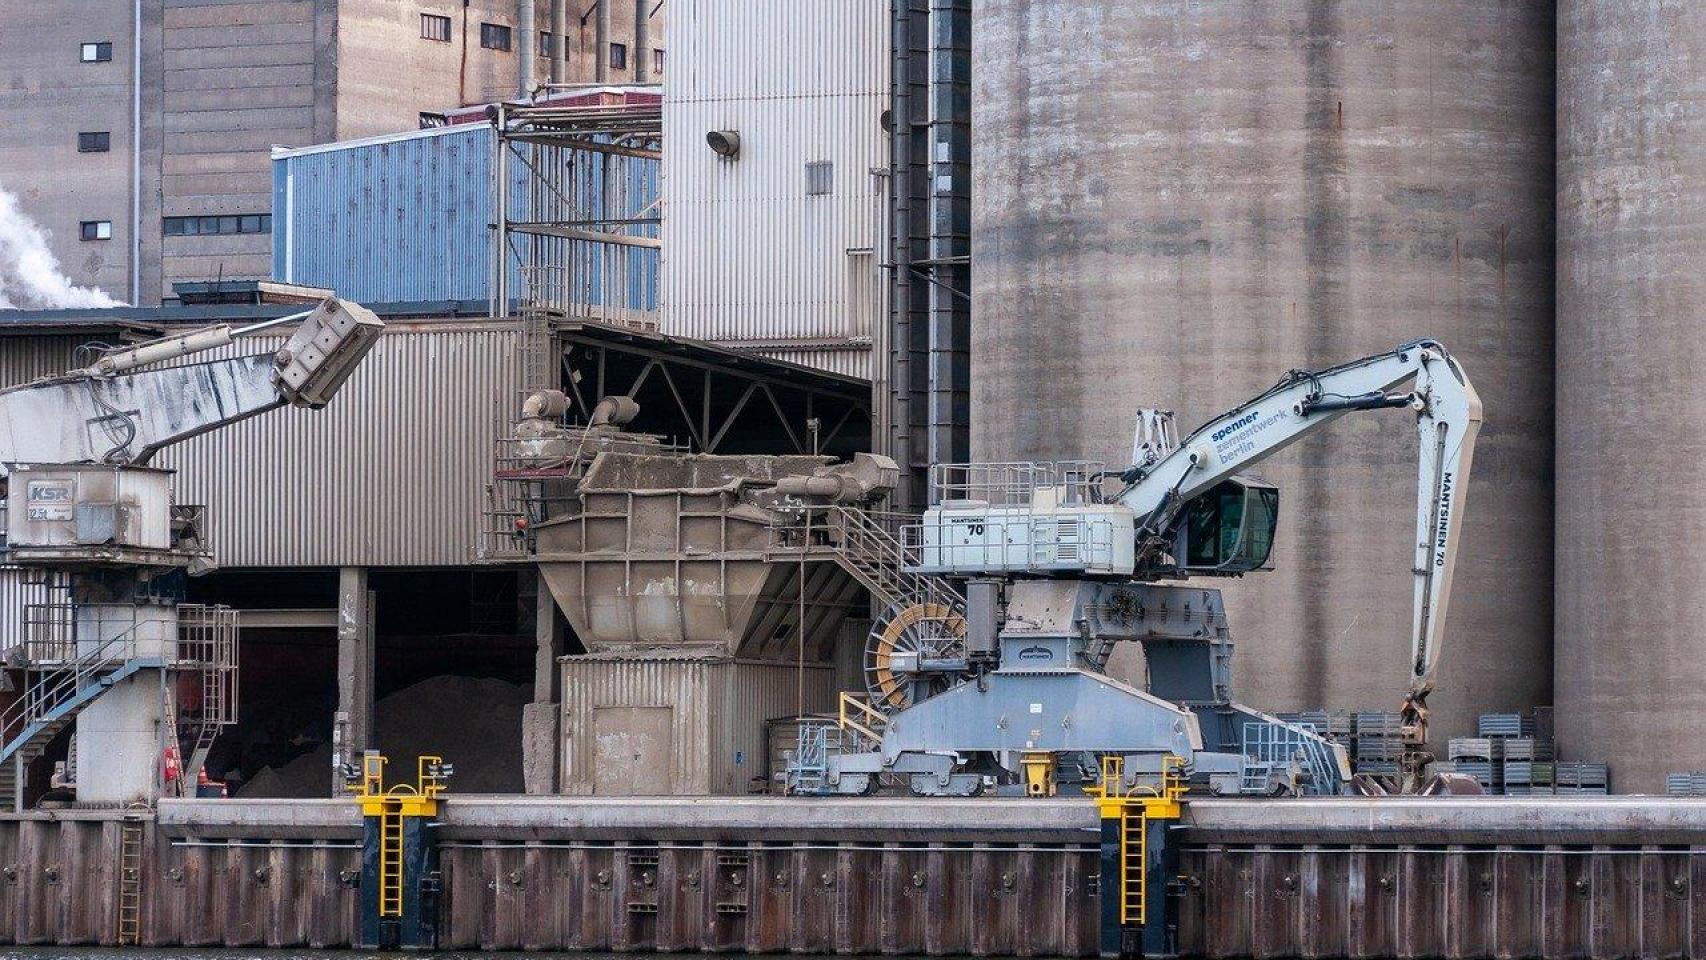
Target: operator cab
{"type": "Point", "coordinates": [1230, 529]}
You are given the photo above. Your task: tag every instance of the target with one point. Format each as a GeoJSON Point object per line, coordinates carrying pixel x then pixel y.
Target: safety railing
{"type": "Point", "coordinates": [55, 685]}
{"type": "Point", "coordinates": [865, 546]}
{"type": "Point", "coordinates": [1018, 483]}
{"type": "Point", "coordinates": [856, 715]}
{"type": "Point", "coordinates": [1015, 539]}
{"type": "Point", "coordinates": [1269, 747]}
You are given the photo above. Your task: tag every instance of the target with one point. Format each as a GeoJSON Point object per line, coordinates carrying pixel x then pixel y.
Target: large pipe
{"type": "Point", "coordinates": [601, 43]}
{"type": "Point", "coordinates": [136, 154]}
{"type": "Point", "coordinates": [526, 58]}
{"type": "Point", "coordinates": [560, 45]}
{"type": "Point", "coordinates": [642, 41]}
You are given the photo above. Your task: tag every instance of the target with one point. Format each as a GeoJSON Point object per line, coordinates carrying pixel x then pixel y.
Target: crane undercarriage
{"type": "Point", "coordinates": [1013, 697]}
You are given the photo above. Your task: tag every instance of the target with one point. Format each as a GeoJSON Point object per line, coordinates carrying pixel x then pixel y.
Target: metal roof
{"type": "Point", "coordinates": [705, 353]}
{"type": "Point", "coordinates": [147, 319]}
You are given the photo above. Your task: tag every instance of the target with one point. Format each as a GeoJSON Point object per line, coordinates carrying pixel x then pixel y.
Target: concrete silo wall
{"type": "Point", "coordinates": [1176, 202]}
{"type": "Point", "coordinates": [1631, 517]}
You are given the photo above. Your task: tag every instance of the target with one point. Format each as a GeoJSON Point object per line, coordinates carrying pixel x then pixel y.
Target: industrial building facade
{"type": "Point", "coordinates": [140, 132]}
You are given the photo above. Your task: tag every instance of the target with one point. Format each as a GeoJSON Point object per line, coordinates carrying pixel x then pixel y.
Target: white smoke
{"type": "Point", "coordinates": [29, 274]}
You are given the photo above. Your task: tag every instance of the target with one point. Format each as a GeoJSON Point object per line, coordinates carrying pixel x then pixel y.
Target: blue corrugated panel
{"type": "Point", "coordinates": [408, 218]}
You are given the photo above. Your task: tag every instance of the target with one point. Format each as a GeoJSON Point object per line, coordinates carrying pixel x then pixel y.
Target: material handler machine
{"type": "Point", "coordinates": [1005, 683]}
{"type": "Point", "coordinates": [146, 680]}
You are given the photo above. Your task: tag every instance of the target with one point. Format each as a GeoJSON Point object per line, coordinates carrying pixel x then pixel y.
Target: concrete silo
{"type": "Point", "coordinates": [1176, 202]}
{"type": "Point", "coordinates": [1631, 519]}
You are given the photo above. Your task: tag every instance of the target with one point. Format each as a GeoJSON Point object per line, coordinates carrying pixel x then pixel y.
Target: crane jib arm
{"type": "Point", "coordinates": [127, 405]}
{"type": "Point", "coordinates": [1448, 415]}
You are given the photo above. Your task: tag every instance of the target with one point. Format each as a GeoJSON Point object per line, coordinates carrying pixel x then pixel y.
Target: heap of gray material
{"type": "Point", "coordinates": [472, 723]}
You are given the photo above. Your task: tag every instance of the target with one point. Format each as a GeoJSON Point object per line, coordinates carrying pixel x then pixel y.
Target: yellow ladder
{"type": "Point", "coordinates": [1134, 850]}
{"type": "Point", "coordinates": [130, 884]}
{"type": "Point", "coordinates": [391, 861]}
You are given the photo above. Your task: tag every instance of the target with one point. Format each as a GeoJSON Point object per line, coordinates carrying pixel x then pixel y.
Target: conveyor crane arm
{"type": "Point", "coordinates": [1448, 414]}
{"type": "Point", "coordinates": [126, 406]}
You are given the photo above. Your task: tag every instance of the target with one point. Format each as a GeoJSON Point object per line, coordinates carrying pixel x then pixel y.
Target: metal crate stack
{"type": "Point", "coordinates": [1333, 724]}
{"type": "Point", "coordinates": [1379, 742]}
{"type": "Point", "coordinates": [1576, 778]}
{"type": "Point", "coordinates": [1692, 784]}
{"type": "Point", "coordinates": [1528, 768]}
{"type": "Point", "coordinates": [1479, 757]}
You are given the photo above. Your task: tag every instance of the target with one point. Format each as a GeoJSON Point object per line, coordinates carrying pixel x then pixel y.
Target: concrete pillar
{"type": "Point", "coordinates": [601, 43]}
{"type": "Point", "coordinates": [560, 46]}
{"type": "Point", "coordinates": [642, 41]}
{"type": "Point", "coordinates": [527, 23]}
{"type": "Point", "coordinates": [352, 728]}
{"type": "Point", "coordinates": [540, 720]}
{"type": "Point", "coordinates": [548, 631]}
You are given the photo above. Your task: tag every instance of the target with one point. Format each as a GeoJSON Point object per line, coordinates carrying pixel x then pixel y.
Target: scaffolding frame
{"type": "Point", "coordinates": [576, 214]}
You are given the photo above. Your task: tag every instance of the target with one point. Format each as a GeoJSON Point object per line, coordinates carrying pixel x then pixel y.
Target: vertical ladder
{"type": "Point", "coordinates": [130, 883]}
{"type": "Point", "coordinates": [391, 861]}
{"type": "Point", "coordinates": [1134, 851]}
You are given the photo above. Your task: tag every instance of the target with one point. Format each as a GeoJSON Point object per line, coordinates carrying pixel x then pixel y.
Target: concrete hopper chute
{"type": "Point", "coordinates": [677, 552]}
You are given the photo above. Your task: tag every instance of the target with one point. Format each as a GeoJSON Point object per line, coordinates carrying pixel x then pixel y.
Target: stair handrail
{"type": "Point", "coordinates": [60, 683]}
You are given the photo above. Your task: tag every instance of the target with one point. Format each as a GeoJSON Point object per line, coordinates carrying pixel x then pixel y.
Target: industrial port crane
{"type": "Point", "coordinates": [85, 513]}
{"type": "Point", "coordinates": [1060, 566]}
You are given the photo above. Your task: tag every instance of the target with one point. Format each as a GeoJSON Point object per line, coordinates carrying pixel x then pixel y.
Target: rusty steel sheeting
{"type": "Point", "coordinates": [908, 878]}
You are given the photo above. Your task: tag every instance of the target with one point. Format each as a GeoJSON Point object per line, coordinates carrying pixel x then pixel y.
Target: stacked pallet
{"type": "Point", "coordinates": [1691, 784]}
{"type": "Point", "coordinates": [1379, 743]}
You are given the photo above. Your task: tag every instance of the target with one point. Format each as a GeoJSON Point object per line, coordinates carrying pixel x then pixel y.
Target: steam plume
{"type": "Point", "coordinates": [29, 274]}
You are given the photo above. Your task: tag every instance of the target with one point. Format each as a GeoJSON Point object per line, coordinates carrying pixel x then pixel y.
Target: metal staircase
{"type": "Point", "coordinates": [862, 544]}
{"type": "Point", "coordinates": [63, 678]}
{"type": "Point", "coordinates": [54, 694]}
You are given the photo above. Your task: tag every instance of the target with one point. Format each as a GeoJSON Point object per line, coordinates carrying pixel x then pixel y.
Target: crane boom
{"type": "Point", "coordinates": [1448, 416]}
{"type": "Point", "coordinates": [125, 407]}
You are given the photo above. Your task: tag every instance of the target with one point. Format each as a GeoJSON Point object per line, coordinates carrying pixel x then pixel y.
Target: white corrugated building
{"type": "Point", "coordinates": [777, 248]}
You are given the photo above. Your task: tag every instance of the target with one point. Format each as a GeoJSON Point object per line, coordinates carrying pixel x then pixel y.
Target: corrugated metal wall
{"type": "Point", "coordinates": [407, 217]}
{"type": "Point", "coordinates": [748, 253]}
{"type": "Point", "coordinates": [388, 219]}
{"type": "Point", "coordinates": [854, 361]}
{"type": "Point", "coordinates": [716, 723]}
{"type": "Point", "coordinates": [28, 357]}
{"type": "Point", "coordinates": [391, 473]}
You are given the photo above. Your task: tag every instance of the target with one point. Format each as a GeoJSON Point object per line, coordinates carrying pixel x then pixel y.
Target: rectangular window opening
{"type": "Point", "coordinates": [435, 27]}
{"type": "Point", "coordinates": [618, 56]}
{"type": "Point", "coordinates": [494, 36]}
{"type": "Point", "coordinates": [100, 51]}
{"type": "Point", "coordinates": [657, 61]}
{"type": "Point", "coordinates": [820, 178]}
{"type": "Point", "coordinates": [212, 226]}
{"type": "Point", "coordinates": [96, 229]}
{"type": "Point", "coordinates": [97, 141]}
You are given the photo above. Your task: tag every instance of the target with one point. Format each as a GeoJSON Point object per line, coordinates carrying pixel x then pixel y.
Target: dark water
{"type": "Point", "coordinates": [261, 953]}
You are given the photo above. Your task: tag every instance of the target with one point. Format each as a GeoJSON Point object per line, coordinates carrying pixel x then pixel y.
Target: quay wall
{"type": "Point", "coordinates": [1425, 878]}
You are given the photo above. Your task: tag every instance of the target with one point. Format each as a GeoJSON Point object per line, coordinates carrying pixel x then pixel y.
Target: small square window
{"type": "Point", "coordinates": [657, 61]}
{"type": "Point", "coordinates": [435, 27]}
{"type": "Point", "coordinates": [494, 36]}
{"type": "Point", "coordinates": [99, 141]}
{"type": "Point", "coordinates": [618, 56]}
{"type": "Point", "coordinates": [820, 178]}
{"type": "Point", "coordinates": [100, 52]}
{"type": "Point", "coordinates": [266, 223]}
{"type": "Point", "coordinates": [97, 229]}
